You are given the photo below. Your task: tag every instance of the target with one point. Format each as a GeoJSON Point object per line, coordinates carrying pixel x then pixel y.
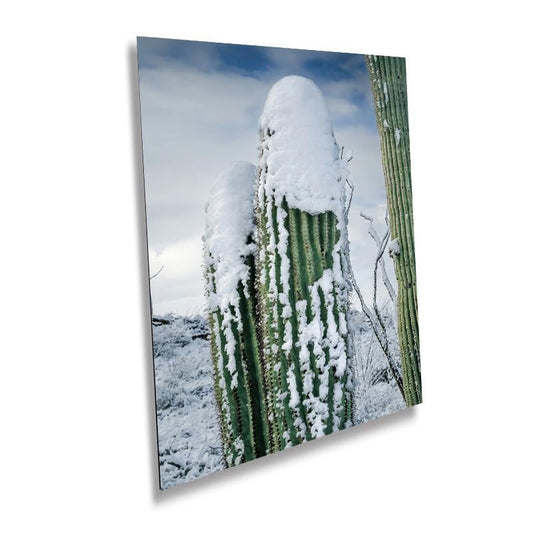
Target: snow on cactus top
{"type": "Point", "coordinates": [229, 224]}
{"type": "Point", "coordinates": [299, 151]}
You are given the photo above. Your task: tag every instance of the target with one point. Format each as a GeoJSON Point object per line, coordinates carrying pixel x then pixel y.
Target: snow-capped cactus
{"type": "Point", "coordinates": [388, 81]}
{"type": "Point", "coordinates": [302, 273]}
{"type": "Point", "coordinates": [229, 274]}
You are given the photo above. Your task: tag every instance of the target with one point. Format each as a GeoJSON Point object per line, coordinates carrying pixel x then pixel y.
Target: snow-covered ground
{"type": "Point", "coordinates": [189, 445]}
{"type": "Point", "coordinates": [187, 424]}
{"type": "Point", "coordinates": [376, 392]}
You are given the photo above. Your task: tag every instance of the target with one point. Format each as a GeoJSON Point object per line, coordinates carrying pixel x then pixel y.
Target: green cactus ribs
{"type": "Point", "coordinates": [230, 273]}
{"type": "Point", "coordinates": [388, 81]}
{"type": "Point", "coordinates": [304, 323]}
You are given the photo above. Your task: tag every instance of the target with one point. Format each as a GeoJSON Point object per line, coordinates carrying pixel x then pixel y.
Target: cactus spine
{"type": "Point", "coordinates": [388, 81]}
{"type": "Point", "coordinates": [230, 272]}
{"type": "Point", "coordinates": [301, 286]}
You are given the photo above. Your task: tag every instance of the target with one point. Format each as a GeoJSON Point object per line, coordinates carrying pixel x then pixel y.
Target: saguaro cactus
{"type": "Point", "coordinates": [229, 273]}
{"type": "Point", "coordinates": [388, 81]}
{"type": "Point", "coordinates": [302, 290]}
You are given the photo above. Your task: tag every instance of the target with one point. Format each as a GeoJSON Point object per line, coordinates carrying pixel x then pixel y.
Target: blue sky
{"type": "Point", "coordinates": [200, 104]}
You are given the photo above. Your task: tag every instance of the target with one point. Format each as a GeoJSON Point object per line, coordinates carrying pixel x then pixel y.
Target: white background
{"type": "Point", "coordinates": [78, 444]}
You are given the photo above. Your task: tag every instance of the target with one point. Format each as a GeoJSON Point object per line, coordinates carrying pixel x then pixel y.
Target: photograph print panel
{"type": "Point", "coordinates": [281, 247]}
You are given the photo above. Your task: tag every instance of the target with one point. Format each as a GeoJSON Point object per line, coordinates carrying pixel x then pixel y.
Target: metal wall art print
{"type": "Point", "coordinates": [281, 247]}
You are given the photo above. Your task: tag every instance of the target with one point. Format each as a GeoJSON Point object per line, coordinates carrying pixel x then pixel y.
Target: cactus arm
{"type": "Point", "coordinates": [229, 274]}
{"type": "Point", "coordinates": [304, 299]}
{"type": "Point", "coordinates": [388, 81]}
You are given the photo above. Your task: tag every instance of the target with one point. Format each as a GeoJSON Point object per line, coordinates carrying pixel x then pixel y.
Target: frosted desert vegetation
{"type": "Point", "coordinates": [284, 355]}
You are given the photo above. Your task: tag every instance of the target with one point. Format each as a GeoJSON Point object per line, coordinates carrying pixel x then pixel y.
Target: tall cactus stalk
{"type": "Point", "coordinates": [302, 287]}
{"type": "Point", "coordinates": [388, 81]}
{"type": "Point", "coordinates": [230, 273]}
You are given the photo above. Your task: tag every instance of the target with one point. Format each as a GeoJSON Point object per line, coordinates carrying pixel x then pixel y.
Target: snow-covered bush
{"type": "Point", "coordinates": [180, 331]}
{"type": "Point", "coordinates": [188, 433]}
{"type": "Point", "coordinates": [376, 392]}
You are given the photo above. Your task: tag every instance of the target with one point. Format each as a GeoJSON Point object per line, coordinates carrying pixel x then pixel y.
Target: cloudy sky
{"type": "Point", "coordinates": [200, 105]}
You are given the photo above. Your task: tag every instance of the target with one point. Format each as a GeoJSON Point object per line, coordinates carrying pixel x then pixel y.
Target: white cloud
{"type": "Point", "coordinates": [179, 285]}
{"type": "Point", "coordinates": [340, 108]}
{"type": "Point", "coordinates": [194, 124]}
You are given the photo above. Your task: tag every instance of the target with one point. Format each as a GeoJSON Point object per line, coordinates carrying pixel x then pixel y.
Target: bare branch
{"type": "Point", "coordinates": [376, 326]}
{"type": "Point", "coordinates": [152, 277]}
{"type": "Point", "coordinates": [381, 335]}
{"type": "Point", "coordinates": [379, 258]}
{"type": "Point", "coordinates": [352, 189]}
{"type": "Point", "coordinates": [373, 233]}
{"type": "Point", "coordinates": [374, 317]}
